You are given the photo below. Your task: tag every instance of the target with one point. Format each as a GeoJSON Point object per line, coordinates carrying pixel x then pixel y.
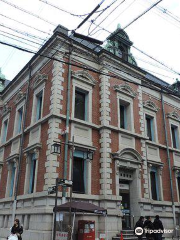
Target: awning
{"type": "Point", "coordinates": [81, 207]}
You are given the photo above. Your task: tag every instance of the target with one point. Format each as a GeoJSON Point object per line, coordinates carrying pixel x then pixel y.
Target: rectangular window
{"type": "Point", "coordinates": [174, 134]}
{"type": "Point", "coordinates": [178, 183]}
{"type": "Point", "coordinates": [125, 115]}
{"type": "Point", "coordinates": [81, 109]}
{"type": "Point", "coordinates": [122, 117]}
{"type": "Point", "coordinates": [154, 185]}
{"type": "Point", "coordinates": [32, 173]}
{"type": "Point", "coordinates": [39, 105]}
{"type": "Point", "coordinates": [19, 120]}
{"type": "Point", "coordinates": [5, 127]}
{"type": "Point", "coordinates": [150, 127]}
{"type": "Point", "coordinates": [79, 172]}
{"type": "Point", "coordinates": [13, 170]}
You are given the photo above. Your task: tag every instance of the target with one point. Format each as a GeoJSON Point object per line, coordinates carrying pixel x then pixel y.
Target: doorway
{"type": "Point", "coordinates": [124, 192]}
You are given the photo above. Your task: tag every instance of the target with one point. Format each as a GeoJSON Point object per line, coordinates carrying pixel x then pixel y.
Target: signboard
{"type": "Point", "coordinates": [61, 235]}
{"type": "Point", "coordinates": [64, 182]}
{"type": "Point", "coordinates": [124, 186]}
{"type": "Point", "coordinates": [102, 236]}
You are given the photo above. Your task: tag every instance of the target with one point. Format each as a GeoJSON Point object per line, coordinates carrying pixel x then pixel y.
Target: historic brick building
{"type": "Point", "coordinates": [113, 109]}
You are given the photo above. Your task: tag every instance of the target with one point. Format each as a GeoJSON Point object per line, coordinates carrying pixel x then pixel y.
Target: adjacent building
{"type": "Point", "coordinates": [127, 120]}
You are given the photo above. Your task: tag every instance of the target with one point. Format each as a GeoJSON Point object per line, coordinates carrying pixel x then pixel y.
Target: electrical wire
{"type": "Point", "coordinates": [28, 12]}
{"type": "Point", "coordinates": [22, 32]}
{"type": "Point", "coordinates": [133, 46]}
{"type": "Point", "coordinates": [151, 86]}
{"type": "Point", "coordinates": [143, 13]}
{"type": "Point", "coordinates": [14, 35]}
{"type": "Point", "coordinates": [24, 24]}
{"type": "Point", "coordinates": [17, 40]}
{"type": "Point", "coordinates": [89, 32]}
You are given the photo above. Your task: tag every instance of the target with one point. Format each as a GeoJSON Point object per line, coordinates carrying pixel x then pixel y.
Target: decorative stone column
{"type": "Point", "coordinates": [143, 145]}
{"type": "Point", "coordinates": [54, 123]}
{"type": "Point", "coordinates": [105, 139]}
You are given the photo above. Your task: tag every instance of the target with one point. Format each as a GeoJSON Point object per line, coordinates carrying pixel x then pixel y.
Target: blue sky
{"type": "Point", "coordinates": [156, 33]}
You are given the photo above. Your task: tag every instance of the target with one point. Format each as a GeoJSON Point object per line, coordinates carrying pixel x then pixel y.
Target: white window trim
{"type": "Point", "coordinates": [176, 124]}
{"type": "Point", "coordinates": [123, 97]}
{"type": "Point", "coordinates": [28, 169]}
{"type": "Point", "coordinates": [19, 106]}
{"type": "Point", "coordinates": [36, 92]}
{"type": "Point", "coordinates": [8, 184]}
{"type": "Point", "coordinates": [159, 177]}
{"type": "Point", "coordinates": [153, 115]}
{"type": "Point", "coordinates": [88, 89]}
{"type": "Point", "coordinates": [2, 129]}
{"type": "Point", "coordinates": [1, 167]}
{"type": "Point", "coordinates": [177, 171]}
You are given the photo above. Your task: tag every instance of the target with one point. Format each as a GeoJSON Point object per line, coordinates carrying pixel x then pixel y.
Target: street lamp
{"type": "Point", "coordinates": [88, 155]}
{"type": "Point", "coordinates": [56, 148]}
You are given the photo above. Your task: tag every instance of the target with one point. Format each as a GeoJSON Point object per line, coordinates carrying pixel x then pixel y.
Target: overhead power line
{"type": "Point", "coordinates": [147, 10]}
{"type": "Point", "coordinates": [106, 16]}
{"type": "Point", "coordinates": [22, 32]}
{"type": "Point", "coordinates": [22, 23]}
{"type": "Point", "coordinates": [28, 12]}
{"type": "Point", "coordinates": [156, 60]}
{"type": "Point", "coordinates": [147, 85]}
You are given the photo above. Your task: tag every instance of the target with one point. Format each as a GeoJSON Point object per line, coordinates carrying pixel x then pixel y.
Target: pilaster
{"type": "Point", "coordinates": [105, 140]}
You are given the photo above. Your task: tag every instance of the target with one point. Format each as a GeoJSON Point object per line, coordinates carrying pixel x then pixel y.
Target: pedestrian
{"type": "Point", "coordinates": [149, 227]}
{"type": "Point", "coordinates": [17, 229]}
{"type": "Point", "coordinates": [139, 223]}
{"type": "Point", "coordinates": [158, 226]}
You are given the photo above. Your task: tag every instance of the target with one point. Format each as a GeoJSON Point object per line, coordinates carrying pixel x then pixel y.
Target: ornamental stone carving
{"type": "Point", "coordinates": [84, 76]}
{"type": "Point", "coordinates": [6, 109]}
{"type": "Point", "coordinates": [126, 89]}
{"type": "Point", "coordinates": [174, 115]}
{"type": "Point", "coordinates": [40, 79]}
{"type": "Point", "coordinates": [150, 105]}
{"type": "Point", "coordinates": [20, 96]}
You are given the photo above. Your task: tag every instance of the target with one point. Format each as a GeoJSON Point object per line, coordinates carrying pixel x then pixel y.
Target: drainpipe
{"type": "Point", "coordinates": [169, 161]}
{"type": "Point", "coordinates": [21, 148]}
{"type": "Point", "coordinates": [67, 124]}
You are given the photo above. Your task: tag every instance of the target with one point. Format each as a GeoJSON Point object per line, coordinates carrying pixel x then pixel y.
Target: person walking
{"type": "Point", "coordinates": [158, 226]}
{"type": "Point", "coordinates": [17, 229]}
{"type": "Point", "coordinates": [139, 223]}
{"type": "Point", "coordinates": [148, 225]}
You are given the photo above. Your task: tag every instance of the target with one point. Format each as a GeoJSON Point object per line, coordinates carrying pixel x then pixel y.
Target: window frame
{"type": "Point", "coordinates": [86, 93]}
{"type": "Point", "coordinates": [129, 112]}
{"type": "Point", "coordinates": [178, 187]}
{"type": "Point", "coordinates": [176, 125]}
{"type": "Point", "coordinates": [157, 169]}
{"type": "Point", "coordinates": [3, 138]}
{"type": "Point", "coordinates": [16, 125]}
{"type": "Point", "coordinates": [80, 153]}
{"type": "Point", "coordinates": [152, 115]}
{"type": "Point", "coordinates": [28, 175]}
{"type": "Point", "coordinates": [12, 171]}
{"type": "Point", "coordinates": [81, 86]}
{"type": "Point", "coordinates": [37, 91]}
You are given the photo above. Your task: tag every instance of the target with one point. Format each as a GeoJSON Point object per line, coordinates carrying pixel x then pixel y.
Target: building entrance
{"type": "Point", "coordinates": [125, 204]}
